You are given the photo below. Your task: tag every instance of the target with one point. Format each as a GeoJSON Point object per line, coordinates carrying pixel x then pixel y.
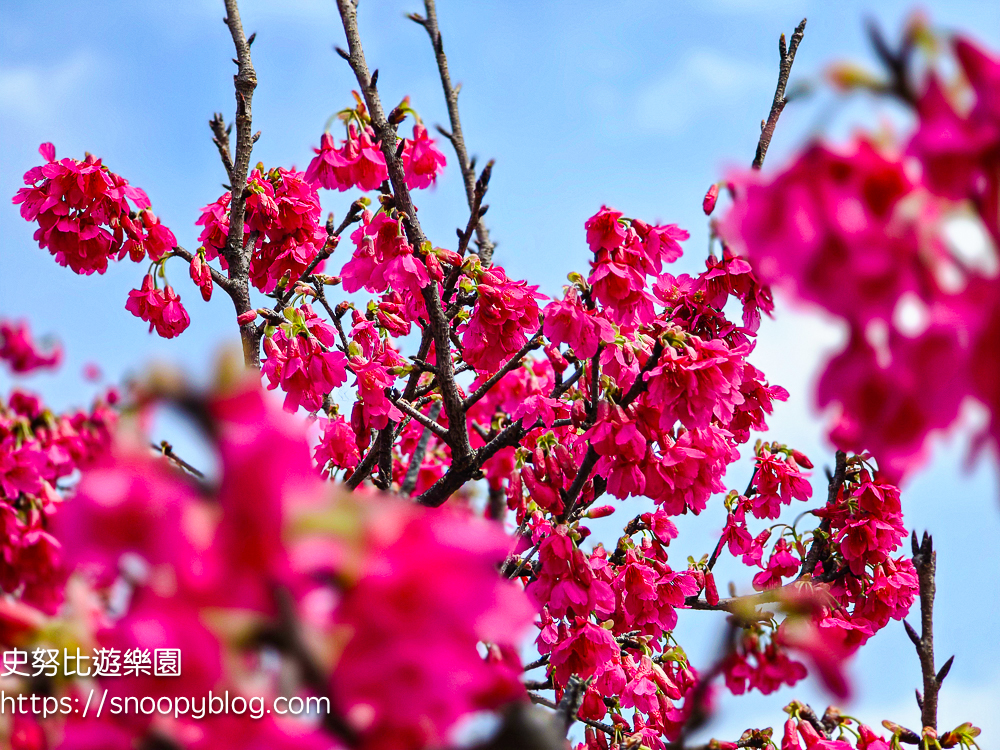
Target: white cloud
{"type": "Point", "coordinates": [703, 82]}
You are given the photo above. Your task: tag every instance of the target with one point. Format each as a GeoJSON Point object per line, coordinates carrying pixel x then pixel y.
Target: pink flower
{"type": "Point", "coordinates": [823, 647]}
{"type": "Point", "coordinates": [585, 651]}
{"type": "Point", "coordinates": [711, 196]}
{"type": "Point", "coordinates": [383, 257]}
{"type": "Point", "coordinates": [567, 583]}
{"type": "Point", "coordinates": [604, 230]}
{"type": "Point", "coordinates": [422, 161]}
{"type": "Point", "coordinates": [648, 594]}
{"type": "Point", "coordinates": [689, 470]}
{"type": "Point", "coordinates": [621, 447]}
{"type": "Point", "coordinates": [868, 540]}
{"type": "Point", "coordinates": [128, 504]}
{"type": "Point", "coordinates": [661, 244]}
{"type": "Point", "coordinates": [504, 313]}
{"type": "Point", "coordinates": [411, 669]}
{"type": "Point", "coordinates": [372, 380]}
{"type": "Point", "coordinates": [567, 322]}
{"type": "Point", "coordinates": [832, 229]}
{"type": "Point", "coordinates": [18, 349]}
{"type": "Point", "coordinates": [781, 564]}
{"type": "Point", "coordinates": [201, 275]}
{"type": "Point", "coordinates": [293, 232]}
{"type": "Point", "coordinates": [161, 308]}
{"type": "Point", "coordinates": [358, 162]}
{"type": "Point", "coordinates": [697, 383]}
{"type": "Point", "coordinates": [336, 448]}
{"type": "Point", "coordinates": [215, 218]}
{"type": "Point", "coordinates": [303, 361]}
{"type": "Point", "coordinates": [84, 214]}
{"type": "Point", "coordinates": [961, 153]}
{"type": "Point", "coordinates": [779, 481]}
{"type": "Point", "coordinates": [890, 401]}
{"type": "Point", "coordinates": [621, 288]}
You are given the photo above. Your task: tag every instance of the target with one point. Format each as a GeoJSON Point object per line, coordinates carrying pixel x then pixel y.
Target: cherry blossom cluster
{"type": "Point", "coordinates": [224, 571]}
{"type": "Point", "coordinates": [88, 215]}
{"type": "Point", "coordinates": [861, 231]}
{"type": "Point", "coordinates": [443, 375]}
{"type": "Point", "coordinates": [19, 351]}
{"type": "Point", "coordinates": [40, 453]}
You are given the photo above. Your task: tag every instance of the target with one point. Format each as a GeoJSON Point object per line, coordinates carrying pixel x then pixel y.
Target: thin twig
{"type": "Point", "coordinates": [430, 24]}
{"type": "Point", "coordinates": [417, 460]}
{"type": "Point", "coordinates": [167, 450]}
{"type": "Point", "coordinates": [787, 57]}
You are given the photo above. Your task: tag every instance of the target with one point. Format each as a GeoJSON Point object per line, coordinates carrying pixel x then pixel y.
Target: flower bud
{"type": "Point", "coordinates": [247, 317]}
{"type": "Point", "coordinates": [711, 590]}
{"type": "Point", "coordinates": [448, 256]}
{"type": "Point", "coordinates": [434, 267]}
{"type": "Point", "coordinates": [559, 363]}
{"type": "Point", "coordinates": [801, 459]}
{"type": "Point", "coordinates": [578, 413]}
{"type": "Point", "coordinates": [601, 511]}
{"type": "Point", "coordinates": [708, 204]}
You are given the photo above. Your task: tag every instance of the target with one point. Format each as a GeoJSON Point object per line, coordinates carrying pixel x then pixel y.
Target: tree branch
{"type": "Point", "coordinates": [430, 24]}
{"type": "Point", "coordinates": [440, 330]}
{"type": "Point", "coordinates": [787, 57]}
{"type": "Point", "coordinates": [925, 561]}
{"type": "Point", "coordinates": [237, 256]}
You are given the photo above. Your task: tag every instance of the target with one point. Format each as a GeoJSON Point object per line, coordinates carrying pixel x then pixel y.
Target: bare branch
{"type": "Point", "coordinates": [430, 23]}
{"type": "Point", "coordinates": [787, 57]}
{"type": "Point", "coordinates": [167, 450]}
{"type": "Point", "coordinates": [925, 561]}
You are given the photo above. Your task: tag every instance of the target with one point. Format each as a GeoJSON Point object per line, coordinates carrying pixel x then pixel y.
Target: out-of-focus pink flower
{"type": "Point", "coordinates": [411, 669]}
{"type": "Point", "coordinates": [19, 351]}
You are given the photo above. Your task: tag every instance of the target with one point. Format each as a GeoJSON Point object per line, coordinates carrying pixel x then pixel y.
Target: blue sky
{"type": "Point", "coordinates": [640, 105]}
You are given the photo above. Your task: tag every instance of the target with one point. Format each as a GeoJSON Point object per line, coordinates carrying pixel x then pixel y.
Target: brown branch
{"type": "Point", "coordinates": [787, 57]}
{"type": "Point", "coordinates": [417, 459]}
{"type": "Point", "coordinates": [430, 423]}
{"type": "Point", "coordinates": [220, 137]}
{"type": "Point", "coordinates": [430, 24]}
{"type": "Point", "coordinates": [925, 561]}
{"type": "Point", "coordinates": [237, 256]}
{"type": "Point", "coordinates": [167, 450]}
{"type": "Point", "coordinates": [440, 330]}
